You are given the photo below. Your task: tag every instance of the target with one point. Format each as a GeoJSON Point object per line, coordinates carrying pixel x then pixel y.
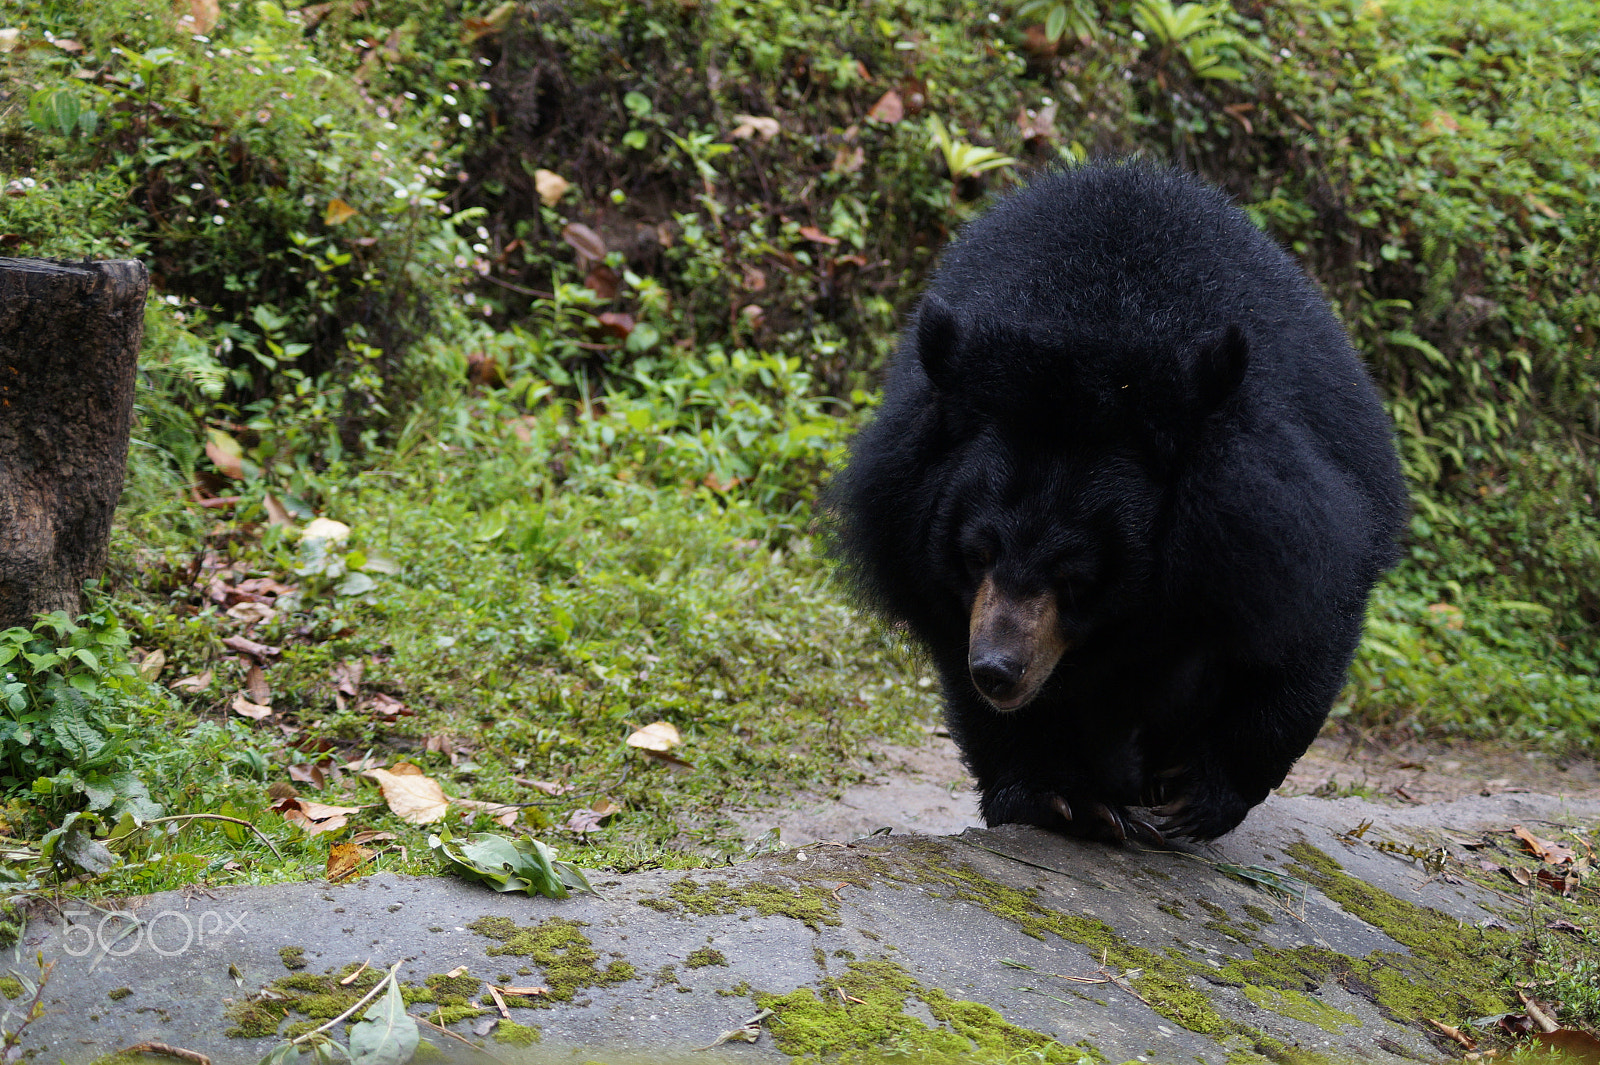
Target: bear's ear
{"type": "Point", "coordinates": [1220, 368]}
{"type": "Point", "coordinates": [938, 337]}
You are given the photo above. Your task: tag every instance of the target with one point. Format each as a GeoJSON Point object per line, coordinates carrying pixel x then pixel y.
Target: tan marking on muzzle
{"type": "Point", "coordinates": [1020, 628]}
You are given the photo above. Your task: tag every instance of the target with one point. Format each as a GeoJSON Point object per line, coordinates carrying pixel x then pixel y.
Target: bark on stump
{"type": "Point", "coordinates": [69, 346]}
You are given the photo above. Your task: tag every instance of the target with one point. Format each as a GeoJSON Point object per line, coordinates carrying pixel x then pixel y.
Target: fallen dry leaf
{"type": "Point", "coordinates": [347, 675]}
{"type": "Point", "coordinates": [1543, 849]}
{"type": "Point", "coordinates": [603, 282]}
{"type": "Point", "coordinates": [369, 836]}
{"type": "Point", "coordinates": [812, 233]}
{"type": "Point", "coordinates": [1038, 125]}
{"type": "Point", "coordinates": [338, 213]}
{"type": "Point", "coordinates": [196, 683]}
{"type": "Point", "coordinates": [386, 707]}
{"type": "Point", "coordinates": [197, 16]}
{"type": "Point", "coordinates": [249, 647]}
{"type": "Point", "coordinates": [757, 126]}
{"type": "Point", "coordinates": [263, 588]}
{"type": "Point", "coordinates": [276, 514]}
{"type": "Point", "coordinates": [585, 241]}
{"type": "Point", "coordinates": [225, 453]}
{"type": "Point", "coordinates": [889, 108]}
{"type": "Point", "coordinates": [313, 773]}
{"type": "Point", "coordinates": [615, 323]}
{"type": "Point", "coordinates": [344, 859]}
{"type": "Point", "coordinates": [246, 708]}
{"type": "Point", "coordinates": [314, 817]}
{"type": "Point", "coordinates": [151, 665]}
{"type": "Point", "coordinates": [414, 798]}
{"type": "Point", "coordinates": [551, 186]}
{"type": "Point", "coordinates": [503, 814]}
{"type": "Point", "coordinates": [255, 683]}
{"type": "Point", "coordinates": [1536, 1012]}
{"type": "Point", "coordinates": [1454, 1033]}
{"type": "Point", "coordinates": [584, 821]}
{"type": "Point", "coordinates": [325, 529]}
{"type": "Point", "coordinates": [656, 736]}
{"type": "Point", "coordinates": [1576, 1047]}
{"type": "Point", "coordinates": [549, 787]}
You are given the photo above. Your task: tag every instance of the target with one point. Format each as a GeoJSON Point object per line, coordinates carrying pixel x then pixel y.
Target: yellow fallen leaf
{"type": "Point", "coordinates": [657, 736]}
{"type": "Point", "coordinates": [338, 213]}
{"type": "Point", "coordinates": [326, 529]}
{"type": "Point", "coordinates": [551, 186]}
{"type": "Point", "coordinates": [414, 798]}
{"type": "Point", "coordinates": [344, 859]}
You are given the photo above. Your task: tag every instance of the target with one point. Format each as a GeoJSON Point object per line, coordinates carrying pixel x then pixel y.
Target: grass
{"type": "Point", "coordinates": [527, 628]}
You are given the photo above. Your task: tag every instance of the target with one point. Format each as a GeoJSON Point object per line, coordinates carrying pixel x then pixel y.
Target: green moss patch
{"type": "Point", "coordinates": [517, 1035]}
{"type": "Point", "coordinates": [1163, 981]}
{"type": "Point", "coordinates": [699, 959]}
{"type": "Point", "coordinates": [810, 904]}
{"type": "Point", "coordinates": [319, 997]}
{"type": "Point", "coordinates": [253, 1020]}
{"type": "Point", "coordinates": [1301, 1007]}
{"type": "Point", "coordinates": [860, 1016]}
{"type": "Point", "coordinates": [569, 960]}
{"type": "Point", "coordinates": [453, 990]}
{"type": "Point", "coordinates": [1455, 971]}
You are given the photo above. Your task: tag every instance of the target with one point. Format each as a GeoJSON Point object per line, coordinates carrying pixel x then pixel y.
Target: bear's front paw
{"type": "Point", "coordinates": [1200, 805]}
{"type": "Point", "coordinates": [1069, 813]}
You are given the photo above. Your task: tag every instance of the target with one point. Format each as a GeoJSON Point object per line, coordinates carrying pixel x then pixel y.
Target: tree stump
{"type": "Point", "coordinates": [69, 346]}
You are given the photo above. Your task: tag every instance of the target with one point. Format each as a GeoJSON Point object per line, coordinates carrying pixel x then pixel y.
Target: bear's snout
{"type": "Point", "coordinates": [1013, 644]}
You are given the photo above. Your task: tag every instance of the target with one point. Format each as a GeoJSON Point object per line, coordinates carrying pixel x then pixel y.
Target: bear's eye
{"type": "Point", "coordinates": [978, 557]}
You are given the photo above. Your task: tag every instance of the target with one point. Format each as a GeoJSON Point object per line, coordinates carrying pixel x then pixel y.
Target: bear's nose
{"type": "Point", "coordinates": [997, 675]}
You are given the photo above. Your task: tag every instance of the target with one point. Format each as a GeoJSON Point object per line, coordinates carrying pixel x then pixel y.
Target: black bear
{"type": "Point", "coordinates": [1130, 486]}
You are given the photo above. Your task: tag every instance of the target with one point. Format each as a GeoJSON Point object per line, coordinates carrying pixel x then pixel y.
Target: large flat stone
{"type": "Point", "coordinates": [931, 916]}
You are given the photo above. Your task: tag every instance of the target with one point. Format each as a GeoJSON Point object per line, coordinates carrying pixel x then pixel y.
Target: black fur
{"type": "Point", "coordinates": [1120, 399]}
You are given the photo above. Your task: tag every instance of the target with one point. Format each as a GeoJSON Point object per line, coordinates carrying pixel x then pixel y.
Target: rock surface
{"type": "Point", "coordinates": [878, 944]}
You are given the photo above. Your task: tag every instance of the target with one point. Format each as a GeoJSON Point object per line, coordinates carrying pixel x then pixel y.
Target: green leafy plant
{"type": "Point", "coordinates": [508, 865]}
{"type": "Point", "coordinates": [1197, 32]}
{"type": "Point", "coordinates": [963, 160]}
{"type": "Point", "coordinates": [69, 703]}
{"type": "Point", "coordinates": [1062, 17]}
